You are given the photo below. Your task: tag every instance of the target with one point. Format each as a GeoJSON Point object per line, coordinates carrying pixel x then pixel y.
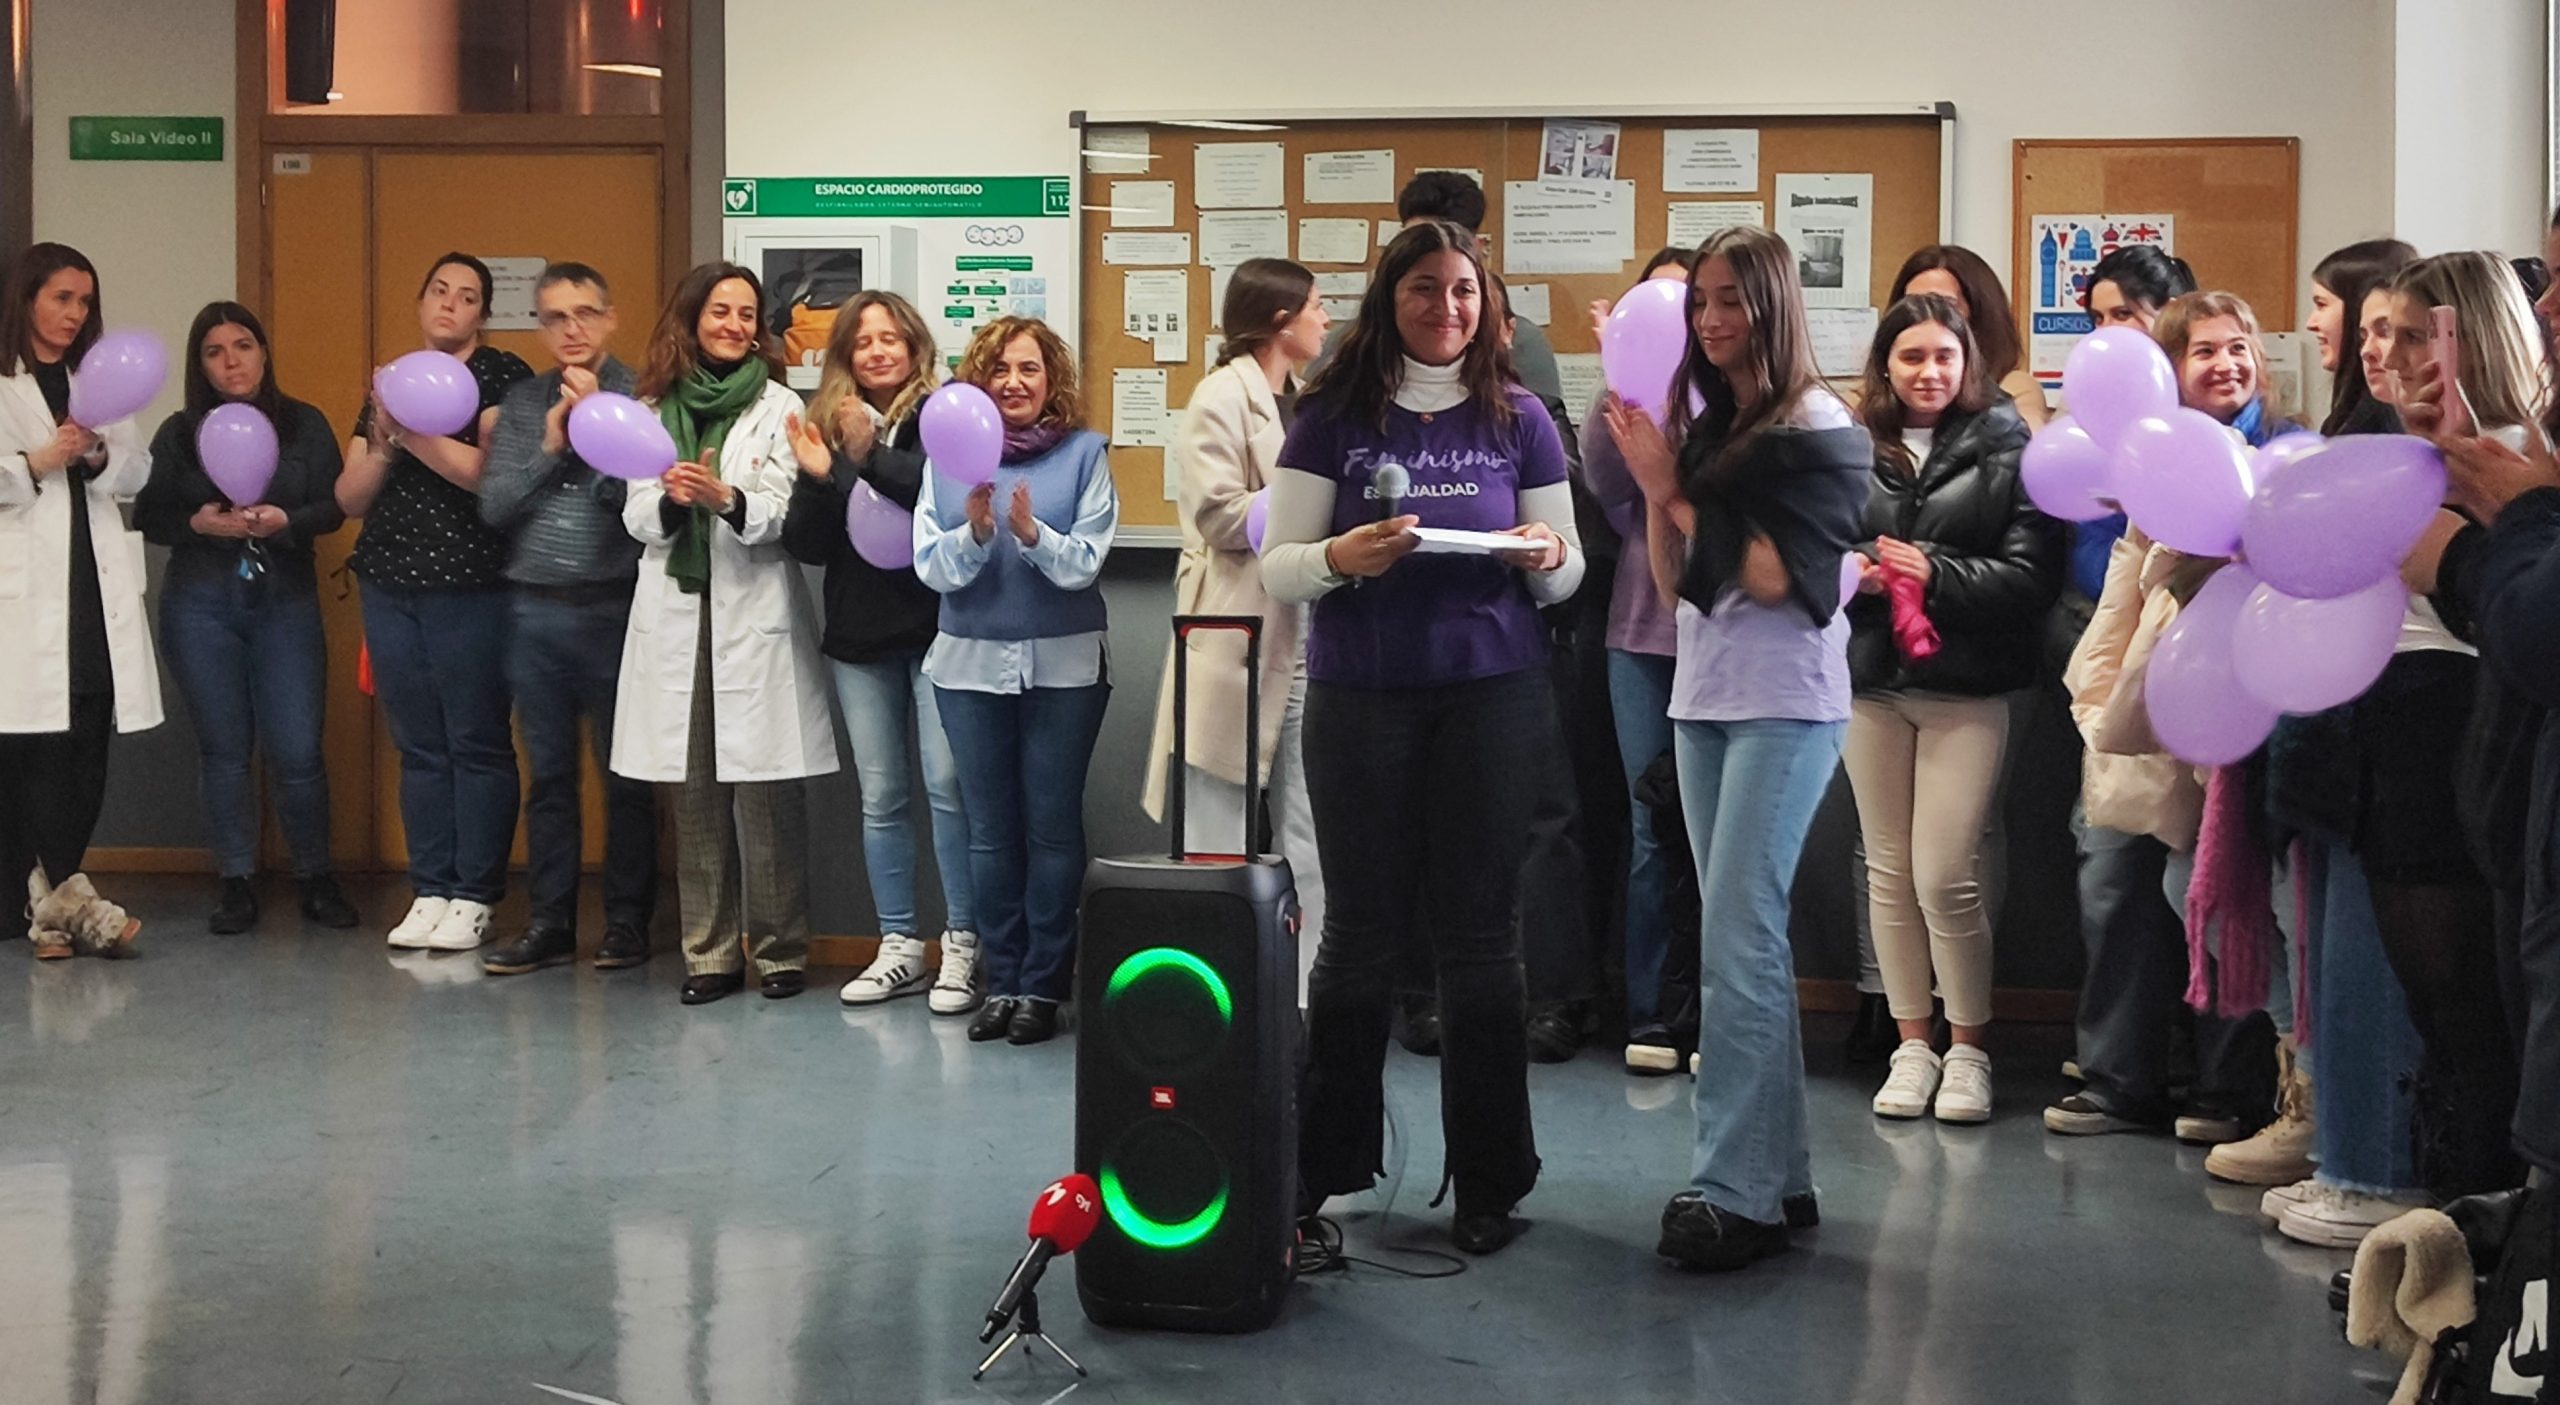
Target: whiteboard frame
{"type": "Point", "coordinates": [1080, 118]}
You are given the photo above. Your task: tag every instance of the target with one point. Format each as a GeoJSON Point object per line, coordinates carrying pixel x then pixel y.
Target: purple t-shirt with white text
{"type": "Point", "coordinates": [1438, 619]}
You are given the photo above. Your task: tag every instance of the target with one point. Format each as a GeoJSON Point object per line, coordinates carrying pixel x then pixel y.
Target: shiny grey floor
{"type": "Point", "coordinates": [290, 1167]}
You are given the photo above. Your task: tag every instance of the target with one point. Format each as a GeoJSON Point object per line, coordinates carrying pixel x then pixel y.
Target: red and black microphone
{"type": "Point", "coordinates": [1061, 1219]}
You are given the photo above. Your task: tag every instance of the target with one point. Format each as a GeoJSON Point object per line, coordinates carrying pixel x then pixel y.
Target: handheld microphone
{"type": "Point", "coordinates": [1062, 1218]}
{"type": "Point", "coordinates": [1390, 482]}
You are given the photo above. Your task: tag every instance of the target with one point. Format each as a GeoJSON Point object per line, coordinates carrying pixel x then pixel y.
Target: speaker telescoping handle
{"type": "Point", "coordinates": [1184, 626]}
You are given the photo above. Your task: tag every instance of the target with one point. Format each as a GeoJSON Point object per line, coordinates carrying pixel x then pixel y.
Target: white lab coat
{"type": "Point", "coordinates": [772, 719]}
{"type": "Point", "coordinates": [35, 572]}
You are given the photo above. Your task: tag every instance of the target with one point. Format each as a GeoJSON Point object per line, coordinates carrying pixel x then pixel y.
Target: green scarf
{"type": "Point", "coordinates": [697, 412]}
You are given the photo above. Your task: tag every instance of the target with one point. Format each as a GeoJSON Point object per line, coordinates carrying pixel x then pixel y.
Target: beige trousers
{"type": "Point", "coordinates": [1926, 770]}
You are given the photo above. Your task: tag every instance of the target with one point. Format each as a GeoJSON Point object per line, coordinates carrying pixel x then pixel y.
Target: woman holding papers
{"type": "Point", "coordinates": [1750, 521]}
{"type": "Point", "coordinates": [1427, 699]}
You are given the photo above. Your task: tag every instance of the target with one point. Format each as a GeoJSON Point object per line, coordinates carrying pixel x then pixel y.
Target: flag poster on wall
{"type": "Point", "coordinates": [2061, 250]}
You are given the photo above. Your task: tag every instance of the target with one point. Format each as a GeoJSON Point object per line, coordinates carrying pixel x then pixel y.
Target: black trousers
{"type": "Point", "coordinates": [51, 787]}
{"type": "Point", "coordinates": [1421, 804]}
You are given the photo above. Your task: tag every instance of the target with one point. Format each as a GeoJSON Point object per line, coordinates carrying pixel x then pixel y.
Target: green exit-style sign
{"type": "Point", "coordinates": [146, 138]}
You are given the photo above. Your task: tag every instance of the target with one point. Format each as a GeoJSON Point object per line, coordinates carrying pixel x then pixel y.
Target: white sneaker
{"type": "Point", "coordinates": [955, 990]}
{"type": "Point", "coordinates": [1914, 1079]}
{"type": "Point", "coordinates": [898, 970]}
{"type": "Point", "coordinates": [424, 914]}
{"type": "Point", "coordinates": [1964, 1093]}
{"type": "Point", "coordinates": [2279, 1199]}
{"type": "Point", "coordinates": [464, 925]}
{"type": "Point", "coordinates": [2338, 1219]}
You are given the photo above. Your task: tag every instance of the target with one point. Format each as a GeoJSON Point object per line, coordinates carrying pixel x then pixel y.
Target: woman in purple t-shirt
{"type": "Point", "coordinates": [1748, 527]}
{"type": "Point", "coordinates": [1427, 705]}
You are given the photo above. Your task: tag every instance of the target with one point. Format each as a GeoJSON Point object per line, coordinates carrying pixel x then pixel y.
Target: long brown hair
{"type": "Point", "coordinates": [675, 347]}
{"type": "Point", "coordinates": [2349, 274]}
{"type": "Point", "coordinates": [1262, 295]}
{"type": "Point", "coordinates": [1065, 405]}
{"type": "Point", "coordinates": [1984, 296]}
{"type": "Point", "coordinates": [17, 320]}
{"type": "Point", "coordinates": [1361, 379]}
{"type": "Point", "coordinates": [1781, 361]}
{"type": "Point", "coordinates": [836, 382]}
{"type": "Point", "coordinates": [1882, 410]}
{"type": "Point", "coordinates": [202, 398]}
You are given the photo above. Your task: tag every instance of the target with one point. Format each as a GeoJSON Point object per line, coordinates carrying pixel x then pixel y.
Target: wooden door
{"type": "Point", "coordinates": [351, 232]}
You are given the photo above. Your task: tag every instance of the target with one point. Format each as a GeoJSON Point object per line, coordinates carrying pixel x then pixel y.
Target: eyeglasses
{"type": "Point", "coordinates": [583, 316]}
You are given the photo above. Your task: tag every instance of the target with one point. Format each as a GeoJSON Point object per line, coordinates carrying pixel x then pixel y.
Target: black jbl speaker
{"type": "Point", "coordinates": [1186, 1115]}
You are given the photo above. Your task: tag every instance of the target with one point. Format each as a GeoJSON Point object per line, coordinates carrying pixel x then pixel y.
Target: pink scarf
{"type": "Point", "coordinates": [2232, 889]}
{"type": "Point", "coordinates": [1912, 632]}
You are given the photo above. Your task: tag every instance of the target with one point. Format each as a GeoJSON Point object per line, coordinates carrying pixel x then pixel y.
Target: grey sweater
{"type": "Point", "coordinates": [564, 519]}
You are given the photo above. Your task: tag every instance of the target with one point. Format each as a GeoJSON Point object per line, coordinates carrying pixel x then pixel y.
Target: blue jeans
{"type": "Point", "coordinates": [1639, 708]}
{"type": "Point", "coordinates": [881, 701]}
{"type": "Point", "coordinates": [564, 659]}
{"type": "Point", "coordinates": [1022, 759]}
{"type": "Point", "coordinates": [440, 671]}
{"type": "Point", "coordinates": [252, 663]}
{"type": "Point", "coordinates": [1748, 791]}
{"type": "Point", "coordinates": [2364, 1094]}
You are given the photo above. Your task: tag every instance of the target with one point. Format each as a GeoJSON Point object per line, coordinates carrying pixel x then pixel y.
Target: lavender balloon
{"type": "Point", "coordinates": [2198, 708]}
{"type": "Point", "coordinates": [1257, 520]}
{"type": "Point", "coordinates": [118, 376]}
{"type": "Point", "coordinates": [428, 392]}
{"type": "Point", "coordinates": [883, 533]}
{"type": "Point", "coordinates": [2330, 522]}
{"type": "Point", "coordinates": [621, 438]}
{"type": "Point", "coordinates": [2311, 655]}
{"type": "Point", "coordinates": [1642, 342]}
{"type": "Point", "coordinates": [963, 434]}
{"type": "Point", "coordinates": [2282, 450]}
{"type": "Point", "coordinates": [1852, 570]}
{"type": "Point", "coordinates": [2115, 377]}
{"type": "Point", "coordinates": [2066, 472]}
{"type": "Point", "coordinates": [237, 446]}
{"type": "Point", "coordinates": [2185, 481]}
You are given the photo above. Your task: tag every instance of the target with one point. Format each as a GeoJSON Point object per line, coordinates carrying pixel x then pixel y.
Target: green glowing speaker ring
{"type": "Point", "coordinates": [1142, 964]}
{"type": "Point", "coordinates": [1155, 1234]}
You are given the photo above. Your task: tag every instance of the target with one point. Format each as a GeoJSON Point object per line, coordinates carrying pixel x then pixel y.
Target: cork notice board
{"type": "Point", "coordinates": [1900, 149]}
{"type": "Point", "coordinates": [2235, 200]}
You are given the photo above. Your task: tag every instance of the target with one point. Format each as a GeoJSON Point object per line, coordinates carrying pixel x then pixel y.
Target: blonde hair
{"type": "Point", "coordinates": [836, 382]}
{"type": "Point", "coordinates": [978, 365]}
{"type": "Point", "coordinates": [2175, 327]}
{"type": "Point", "coordinates": [2493, 325]}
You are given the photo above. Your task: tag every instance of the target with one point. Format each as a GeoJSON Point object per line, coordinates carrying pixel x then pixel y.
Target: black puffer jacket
{"type": "Point", "coordinates": [1996, 563]}
{"type": "Point", "coordinates": [872, 614]}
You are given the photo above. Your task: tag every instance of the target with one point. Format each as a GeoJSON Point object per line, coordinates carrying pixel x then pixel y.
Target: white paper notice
{"type": "Point", "coordinates": [1229, 237]}
{"type": "Point", "coordinates": [1691, 221]}
{"type": "Point", "coordinates": [1219, 273]}
{"type": "Point", "coordinates": [1575, 228]}
{"type": "Point", "coordinates": [1530, 302]}
{"type": "Point", "coordinates": [1168, 348]}
{"type": "Point", "coordinates": [1710, 158]}
{"type": "Point", "coordinates": [1342, 310]}
{"type": "Point", "coordinates": [1388, 230]}
{"type": "Point", "coordinates": [1333, 241]}
{"type": "Point", "coordinates": [1585, 151]}
{"type": "Point", "coordinates": [1116, 151]}
{"type": "Point", "coordinates": [1153, 301]}
{"type": "Point", "coordinates": [1137, 408]}
{"type": "Point", "coordinates": [1579, 371]}
{"type": "Point", "coordinates": [1235, 175]}
{"type": "Point", "coordinates": [1350, 177]}
{"type": "Point", "coordinates": [1142, 204]}
{"type": "Point", "coordinates": [1829, 221]}
{"type": "Point", "coordinates": [1841, 336]}
{"type": "Point", "coordinates": [511, 283]}
{"type": "Point", "coordinates": [1146, 248]}
{"type": "Point", "coordinates": [1343, 285]}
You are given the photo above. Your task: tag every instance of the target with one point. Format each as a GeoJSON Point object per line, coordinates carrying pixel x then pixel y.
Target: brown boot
{"type": "Point", "coordinates": [2280, 1154]}
{"type": "Point", "coordinates": [51, 943]}
{"type": "Point", "coordinates": [95, 926]}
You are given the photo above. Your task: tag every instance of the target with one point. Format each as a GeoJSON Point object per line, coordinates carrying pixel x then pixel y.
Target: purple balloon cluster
{"type": "Point", "coordinates": [2308, 615]}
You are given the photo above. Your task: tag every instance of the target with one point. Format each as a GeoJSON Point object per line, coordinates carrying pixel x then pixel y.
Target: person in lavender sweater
{"type": "Point", "coordinates": [1427, 704]}
{"type": "Point", "coordinates": [1748, 524]}
{"type": "Point", "coordinates": [1643, 643]}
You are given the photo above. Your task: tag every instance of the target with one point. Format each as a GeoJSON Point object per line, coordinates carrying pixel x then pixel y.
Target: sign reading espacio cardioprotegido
{"type": "Point", "coordinates": [898, 197]}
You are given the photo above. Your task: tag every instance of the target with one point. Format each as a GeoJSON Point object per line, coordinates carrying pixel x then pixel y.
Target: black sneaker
{"type": "Point", "coordinates": [2081, 1115]}
{"type": "Point", "coordinates": [623, 947]}
{"type": "Point", "coordinates": [2208, 1122]}
{"type": "Point", "coordinates": [237, 911]}
{"type": "Point", "coordinates": [324, 904]}
{"type": "Point", "coordinates": [1651, 1051]}
{"type": "Point", "coordinates": [1873, 1034]}
{"type": "Point", "coordinates": [537, 948]}
{"type": "Point", "coordinates": [1699, 1234]}
{"type": "Point", "coordinates": [1554, 1035]}
{"type": "Point", "coordinates": [1802, 1210]}
{"type": "Point", "coordinates": [1479, 1233]}
{"type": "Point", "coordinates": [1421, 1031]}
